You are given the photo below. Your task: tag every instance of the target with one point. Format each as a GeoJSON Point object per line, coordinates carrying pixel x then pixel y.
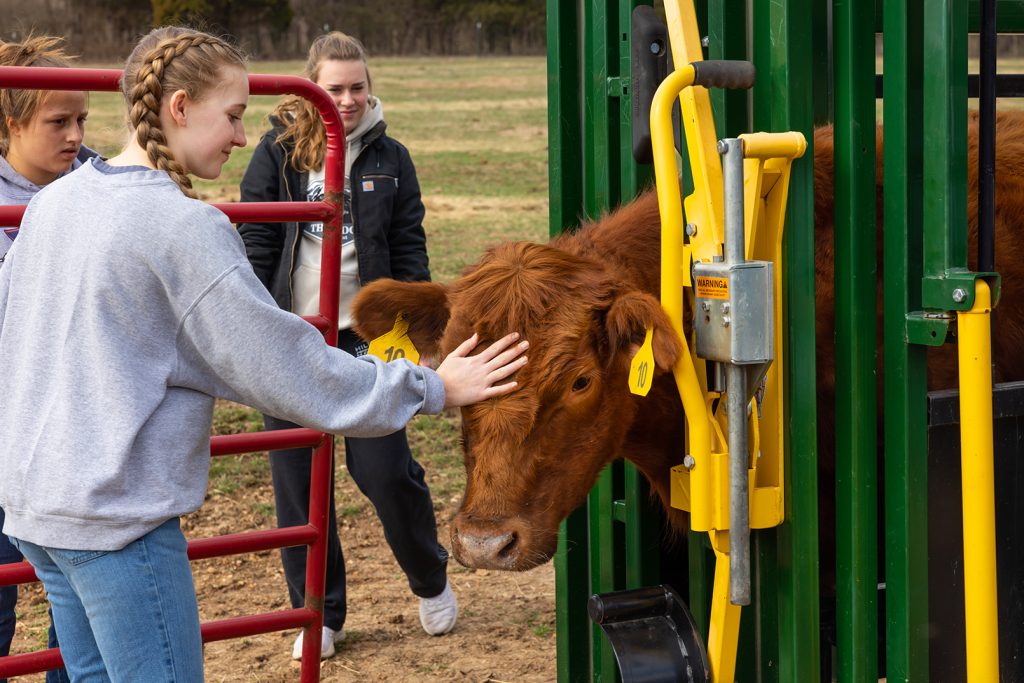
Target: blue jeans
{"type": "Point", "coordinates": [8, 595]}
{"type": "Point", "coordinates": [8, 600]}
{"type": "Point", "coordinates": [124, 615]}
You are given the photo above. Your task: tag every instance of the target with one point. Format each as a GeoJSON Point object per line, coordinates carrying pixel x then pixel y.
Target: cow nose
{"type": "Point", "coordinates": [485, 551]}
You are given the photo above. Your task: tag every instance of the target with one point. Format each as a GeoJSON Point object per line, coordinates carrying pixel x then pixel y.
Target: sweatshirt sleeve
{"type": "Point", "coordinates": [235, 343]}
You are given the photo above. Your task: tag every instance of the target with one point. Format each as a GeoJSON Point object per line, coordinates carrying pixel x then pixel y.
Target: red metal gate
{"type": "Point", "coordinates": [314, 534]}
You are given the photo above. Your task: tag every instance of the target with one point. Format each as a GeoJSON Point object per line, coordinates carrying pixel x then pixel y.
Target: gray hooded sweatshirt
{"type": "Point", "coordinates": [17, 189]}
{"type": "Point", "coordinates": [125, 307]}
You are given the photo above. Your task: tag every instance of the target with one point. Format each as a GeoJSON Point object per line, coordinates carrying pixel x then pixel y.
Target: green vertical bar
{"type": "Point", "coordinates": [783, 100]}
{"type": "Point", "coordinates": [701, 575]}
{"type": "Point", "coordinates": [906, 474]}
{"type": "Point", "coordinates": [642, 532]}
{"type": "Point", "coordinates": [765, 615]}
{"type": "Point", "coordinates": [821, 64]}
{"type": "Point", "coordinates": [945, 146]}
{"type": "Point", "coordinates": [727, 39]}
{"type": "Point", "coordinates": [642, 522]}
{"type": "Point", "coordinates": [619, 92]}
{"type": "Point", "coordinates": [602, 568]}
{"type": "Point", "coordinates": [856, 284]}
{"type": "Point", "coordinates": [572, 627]}
{"type": "Point", "coordinates": [599, 183]}
{"type": "Point", "coordinates": [565, 156]}
{"type": "Point", "coordinates": [565, 150]}
{"type": "Point", "coordinates": [600, 192]}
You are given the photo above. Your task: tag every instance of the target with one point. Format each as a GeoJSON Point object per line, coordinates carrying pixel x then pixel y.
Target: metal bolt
{"type": "Point", "coordinates": [959, 295]}
{"type": "Point", "coordinates": [691, 229]}
{"type": "Point", "coordinates": [704, 42]}
{"type": "Point", "coordinates": [706, 305]}
{"type": "Point", "coordinates": [722, 147]}
{"type": "Point", "coordinates": [689, 462]}
{"type": "Point", "coordinates": [726, 307]}
{"type": "Point", "coordinates": [726, 321]}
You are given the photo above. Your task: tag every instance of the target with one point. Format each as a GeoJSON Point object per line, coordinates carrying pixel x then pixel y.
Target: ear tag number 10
{"type": "Point", "coordinates": [395, 344]}
{"type": "Point", "coordinates": [641, 369]}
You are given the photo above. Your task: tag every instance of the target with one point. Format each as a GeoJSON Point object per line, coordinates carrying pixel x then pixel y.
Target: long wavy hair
{"type": "Point", "coordinates": [303, 126]}
{"type": "Point", "coordinates": [21, 105]}
{"type": "Point", "coordinates": [166, 60]}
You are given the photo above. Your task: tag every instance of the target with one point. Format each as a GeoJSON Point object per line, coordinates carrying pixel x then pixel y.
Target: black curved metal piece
{"type": "Point", "coordinates": [650, 63]}
{"type": "Point", "coordinates": [653, 635]}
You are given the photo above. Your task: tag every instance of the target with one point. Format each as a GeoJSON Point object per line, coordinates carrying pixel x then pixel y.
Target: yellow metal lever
{"type": "Point", "coordinates": [978, 477]}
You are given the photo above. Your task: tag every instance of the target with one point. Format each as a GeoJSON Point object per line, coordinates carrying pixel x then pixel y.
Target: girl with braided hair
{"type": "Point", "coordinates": [115, 364]}
{"type": "Point", "coordinates": [40, 140]}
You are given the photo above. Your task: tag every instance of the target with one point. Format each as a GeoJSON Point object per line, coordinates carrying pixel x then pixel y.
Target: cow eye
{"type": "Point", "coordinates": [581, 383]}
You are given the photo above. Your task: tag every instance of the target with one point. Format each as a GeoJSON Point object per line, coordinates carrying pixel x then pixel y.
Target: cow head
{"type": "Point", "coordinates": [531, 456]}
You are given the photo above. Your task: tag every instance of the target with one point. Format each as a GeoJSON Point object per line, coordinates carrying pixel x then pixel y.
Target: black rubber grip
{"type": "Point", "coordinates": [724, 73]}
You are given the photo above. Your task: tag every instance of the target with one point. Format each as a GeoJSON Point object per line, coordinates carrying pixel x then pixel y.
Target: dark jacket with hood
{"type": "Point", "coordinates": [389, 237]}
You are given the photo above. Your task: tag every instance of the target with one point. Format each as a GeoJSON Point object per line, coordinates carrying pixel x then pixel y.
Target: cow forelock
{"type": "Point", "coordinates": [516, 286]}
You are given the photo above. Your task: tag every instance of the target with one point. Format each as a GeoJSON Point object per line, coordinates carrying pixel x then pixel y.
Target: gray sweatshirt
{"type": "Point", "coordinates": [17, 189]}
{"type": "Point", "coordinates": [125, 307]}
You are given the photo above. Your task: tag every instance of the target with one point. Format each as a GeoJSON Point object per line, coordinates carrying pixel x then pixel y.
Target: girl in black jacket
{"type": "Point", "coordinates": [382, 237]}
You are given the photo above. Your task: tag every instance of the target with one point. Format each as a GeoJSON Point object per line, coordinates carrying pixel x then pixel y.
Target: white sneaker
{"type": "Point", "coordinates": [328, 638]}
{"type": "Point", "coordinates": [438, 614]}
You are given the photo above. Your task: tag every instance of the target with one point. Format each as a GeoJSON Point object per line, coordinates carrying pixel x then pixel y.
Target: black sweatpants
{"type": "Point", "coordinates": [384, 470]}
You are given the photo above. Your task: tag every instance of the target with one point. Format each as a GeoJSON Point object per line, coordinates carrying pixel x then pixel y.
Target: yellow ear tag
{"type": "Point", "coordinates": [395, 344]}
{"type": "Point", "coordinates": [641, 369]}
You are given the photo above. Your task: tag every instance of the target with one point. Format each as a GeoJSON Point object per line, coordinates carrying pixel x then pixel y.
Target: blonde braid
{"type": "Point", "coordinates": [146, 93]}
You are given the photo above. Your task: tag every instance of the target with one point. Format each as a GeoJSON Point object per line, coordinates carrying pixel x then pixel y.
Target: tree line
{"type": "Point", "coordinates": [283, 29]}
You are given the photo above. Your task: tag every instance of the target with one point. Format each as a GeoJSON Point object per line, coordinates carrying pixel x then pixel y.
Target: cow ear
{"type": "Point", "coordinates": [424, 305]}
{"type": "Point", "coordinates": [627, 321]}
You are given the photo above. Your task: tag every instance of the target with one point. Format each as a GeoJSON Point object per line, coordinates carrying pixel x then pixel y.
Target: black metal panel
{"type": "Point", "coordinates": [650, 66]}
{"type": "Point", "coordinates": [947, 649]}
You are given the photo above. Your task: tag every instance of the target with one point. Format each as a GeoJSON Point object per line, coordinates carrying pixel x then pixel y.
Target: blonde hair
{"type": "Point", "coordinates": [166, 60]}
{"type": "Point", "coordinates": [22, 105]}
{"type": "Point", "coordinates": [304, 126]}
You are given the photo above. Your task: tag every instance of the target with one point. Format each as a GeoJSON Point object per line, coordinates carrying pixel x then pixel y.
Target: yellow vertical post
{"type": "Point", "coordinates": [724, 628]}
{"type": "Point", "coordinates": [980, 608]}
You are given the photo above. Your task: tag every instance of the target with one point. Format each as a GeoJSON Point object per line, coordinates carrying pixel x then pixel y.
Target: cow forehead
{"type": "Point", "coordinates": [527, 288]}
{"type": "Point", "coordinates": [552, 298]}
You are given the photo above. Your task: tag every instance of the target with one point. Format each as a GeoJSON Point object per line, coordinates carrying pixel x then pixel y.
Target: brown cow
{"type": "Point", "coordinates": [584, 300]}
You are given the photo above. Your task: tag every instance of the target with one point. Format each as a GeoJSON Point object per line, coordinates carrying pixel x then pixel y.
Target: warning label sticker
{"type": "Point", "coordinates": [712, 287]}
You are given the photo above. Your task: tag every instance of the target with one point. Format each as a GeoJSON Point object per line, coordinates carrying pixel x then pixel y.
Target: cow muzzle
{"type": "Point", "coordinates": [504, 546]}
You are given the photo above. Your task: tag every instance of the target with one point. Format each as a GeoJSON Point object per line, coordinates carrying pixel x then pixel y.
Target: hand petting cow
{"type": "Point", "coordinates": [584, 301]}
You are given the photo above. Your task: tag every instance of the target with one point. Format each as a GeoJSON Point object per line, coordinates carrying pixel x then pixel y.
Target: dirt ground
{"type": "Point", "coordinates": [505, 630]}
